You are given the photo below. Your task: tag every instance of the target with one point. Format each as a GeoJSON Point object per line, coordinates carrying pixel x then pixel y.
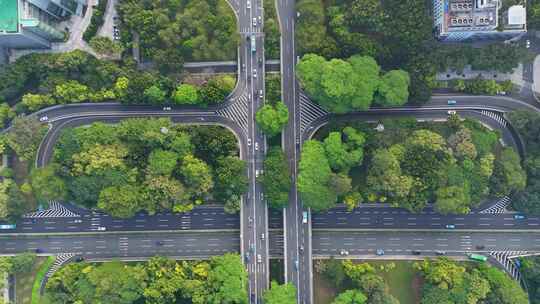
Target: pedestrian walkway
{"type": "Point", "coordinates": [55, 210]}
{"type": "Point", "coordinates": [237, 111]}
{"type": "Point", "coordinates": [309, 112]}
{"type": "Point", "coordinates": [498, 207]}
{"type": "Point", "coordinates": [495, 116]}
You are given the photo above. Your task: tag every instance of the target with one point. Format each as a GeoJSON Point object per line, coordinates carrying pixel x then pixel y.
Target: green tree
{"type": "Point", "coordinates": [227, 280]}
{"type": "Point", "coordinates": [154, 95]}
{"type": "Point", "coordinates": [162, 162]}
{"type": "Point", "coordinates": [314, 177]}
{"type": "Point", "coordinates": [276, 179]}
{"type": "Point", "coordinates": [71, 91]}
{"type": "Point", "coordinates": [197, 175]}
{"type": "Point", "coordinates": [280, 294]}
{"type": "Point", "coordinates": [105, 46]}
{"type": "Point", "coordinates": [34, 102]}
{"type": "Point", "coordinates": [25, 136]}
{"type": "Point", "coordinates": [350, 296]}
{"type": "Point", "coordinates": [504, 290]}
{"type": "Point", "coordinates": [453, 200]}
{"type": "Point", "coordinates": [230, 176]}
{"type": "Point", "coordinates": [6, 113]}
{"type": "Point", "coordinates": [340, 155]}
{"type": "Point", "coordinates": [272, 118]}
{"type": "Point", "coordinates": [115, 282]}
{"type": "Point", "coordinates": [186, 94]}
{"type": "Point", "coordinates": [393, 88]}
{"type": "Point", "coordinates": [120, 201]}
{"type": "Point", "coordinates": [508, 175]}
{"type": "Point", "coordinates": [46, 185]}
{"type": "Point", "coordinates": [99, 158]}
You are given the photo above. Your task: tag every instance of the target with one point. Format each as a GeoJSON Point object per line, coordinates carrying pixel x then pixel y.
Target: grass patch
{"type": "Point", "coordinates": [24, 281]}
{"type": "Point", "coordinates": [36, 297]}
{"type": "Point", "coordinates": [404, 281]}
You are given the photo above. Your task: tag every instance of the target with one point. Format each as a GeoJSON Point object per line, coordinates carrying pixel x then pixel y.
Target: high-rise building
{"type": "Point", "coordinates": [34, 23]}
{"type": "Point", "coordinates": [466, 20]}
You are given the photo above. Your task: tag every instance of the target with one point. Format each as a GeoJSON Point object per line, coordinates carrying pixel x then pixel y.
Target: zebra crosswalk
{"type": "Point", "coordinates": [237, 111]}
{"type": "Point", "coordinates": [495, 116]}
{"type": "Point", "coordinates": [309, 112]}
{"type": "Point", "coordinates": [56, 209]}
{"type": "Point", "coordinates": [505, 258]}
{"type": "Point", "coordinates": [498, 207]}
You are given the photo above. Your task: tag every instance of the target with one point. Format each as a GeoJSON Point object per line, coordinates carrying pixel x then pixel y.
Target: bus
{"type": "Point", "coordinates": [477, 257]}
{"type": "Point", "coordinates": [253, 43]}
{"type": "Point", "coordinates": [7, 226]}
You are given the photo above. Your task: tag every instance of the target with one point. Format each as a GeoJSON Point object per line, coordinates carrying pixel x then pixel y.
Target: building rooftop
{"type": "Point", "coordinates": [9, 16]}
{"type": "Point", "coordinates": [517, 15]}
{"type": "Point", "coordinates": [471, 15]}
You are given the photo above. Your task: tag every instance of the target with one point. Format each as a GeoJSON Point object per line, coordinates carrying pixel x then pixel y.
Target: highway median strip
{"type": "Point", "coordinates": [205, 231]}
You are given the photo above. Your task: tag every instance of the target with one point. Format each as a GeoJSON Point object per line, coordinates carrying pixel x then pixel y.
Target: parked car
{"type": "Point", "coordinates": [450, 226]}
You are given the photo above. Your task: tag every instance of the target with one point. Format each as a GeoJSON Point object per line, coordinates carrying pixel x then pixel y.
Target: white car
{"type": "Point", "coordinates": [249, 4]}
{"type": "Point", "coordinates": [249, 141]}
{"type": "Point", "coordinates": [528, 44]}
{"type": "Point", "coordinates": [451, 112]}
{"type": "Point", "coordinates": [257, 146]}
{"type": "Point", "coordinates": [101, 228]}
{"type": "Point", "coordinates": [43, 118]}
{"type": "Point", "coordinates": [254, 73]}
{"type": "Point", "coordinates": [254, 21]}
{"type": "Point", "coordinates": [262, 236]}
{"type": "Point", "coordinates": [257, 173]}
{"type": "Point", "coordinates": [77, 221]}
{"type": "Point", "coordinates": [166, 108]}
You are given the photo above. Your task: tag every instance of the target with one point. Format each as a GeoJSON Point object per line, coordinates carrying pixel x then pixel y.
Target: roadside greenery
{"type": "Point", "coordinates": [530, 272]}
{"type": "Point", "coordinates": [169, 33]}
{"type": "Point", "coordinates": [144, 164]}
{"type": "Point", "coordinates": [40, 275]}
{"type": "Point", "coordinates": [222, 279]}
{"type": "Point", "coordinates": [455, 165]}
{"type": "Point", "coordinates": [446, 281]}
{"type": "Point", "coordinates": [280, 294]}
{"type": "Point", "coordinates": [480, 86]}
{"type": "Point", "coordinates": [526, 123]}
{"type": "Point", "coordinates": [342, 86]}
{"type": "Point", "coordinates": [272, 118]}
{"type": "Point", "coordinates": [276, 179]}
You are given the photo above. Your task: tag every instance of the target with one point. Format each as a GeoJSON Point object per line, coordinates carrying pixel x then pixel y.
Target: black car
{"type": "Point", "coordinates": [79, 259]}
{"type": "Point", "coordinates": [480, 247]}
{"type": "Point", "coordinates": [37, 250]}
{"type": "Point", "coordinates": [416, 252]}
{"type": "Point", "coordinates": [159, 243]}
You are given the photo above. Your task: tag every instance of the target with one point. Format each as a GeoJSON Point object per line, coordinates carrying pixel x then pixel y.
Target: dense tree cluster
{"type": "Point", "coordinates": [455, 165]}
{"type": "Point", "coordinates": [223, 279]}
{"type": "Point", "coordinates": [272, 35]}
{"type": "Point", "coordinates": [360, 283]}
{"type": "Point", "coordinates": [171, 32]}
{"type": "Point", "coordinates": [42, 80]}
{"type": "Point", "coordinates": [144, 164]}
{"type": "Point", "coordinates": [526, 123]}
{"type": "Point", "coordinates": [276, 178]}
{"type": "Point", "coordinates": [533, 14]}
{"type": "Point", "coordinates": [446, 281]}
{"type": "Point", "coordinates": [340, 86]}
{"type": "Point", "coordinates": [324, 167]}
{"type": "Point", "coordinates": [398, 34]}
{"type": "Point", "coordinates": [272, 118]}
